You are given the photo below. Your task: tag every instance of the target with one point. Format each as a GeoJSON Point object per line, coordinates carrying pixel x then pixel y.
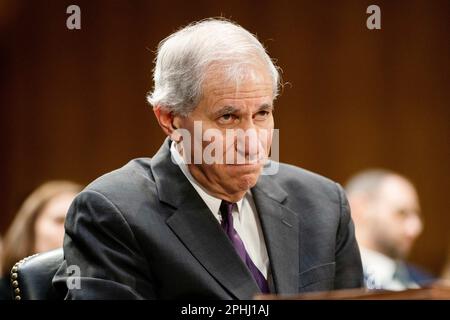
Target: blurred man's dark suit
{"type": "Point", "coordinates": [143, 232]}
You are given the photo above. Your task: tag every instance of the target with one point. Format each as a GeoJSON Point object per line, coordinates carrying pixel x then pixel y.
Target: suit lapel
{"type": "Point", "coordinates": [198, 230]}
{"type": "Point", "coordinates": [281, 231]}
{"type": "Point", "coordinates": [203, 236]}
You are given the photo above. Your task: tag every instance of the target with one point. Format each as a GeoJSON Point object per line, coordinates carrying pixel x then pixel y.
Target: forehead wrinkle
{"type": "Point", "coordinates": [239, 89]}
{"type": "Point", "coordinates": [237, 95]}
{"type": "Point", "coordinates": [241, 95]}
{"type": "Point", "coordinates": [214, 107]}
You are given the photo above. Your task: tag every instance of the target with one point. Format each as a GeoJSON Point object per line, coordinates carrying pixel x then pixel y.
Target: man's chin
{"type": "Point", "coordinates": [245, 177]}
{"type": "Point", "coordinates": [398, 252]}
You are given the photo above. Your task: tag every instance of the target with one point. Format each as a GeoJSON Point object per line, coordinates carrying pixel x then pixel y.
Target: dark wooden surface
{"type": "Point", "coordinates": [438, 292]}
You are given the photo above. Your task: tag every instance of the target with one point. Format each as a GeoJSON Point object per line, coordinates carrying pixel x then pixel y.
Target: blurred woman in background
{"type": "Point", "coordinates": [37, 227]}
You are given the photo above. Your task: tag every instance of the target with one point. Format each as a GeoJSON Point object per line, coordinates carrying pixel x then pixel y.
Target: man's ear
{"type": "Point", "coordinates": [165, 119]}
{"type": "Point", "coordinates": [358, 206]}
{"type": "Point", "coordinates": [363, 209]}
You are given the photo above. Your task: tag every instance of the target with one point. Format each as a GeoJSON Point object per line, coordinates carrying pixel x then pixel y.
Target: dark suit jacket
{"type": "Point", "coordinates": [142, 231]}
{"type": "Point", "coordinates": [419, 276]}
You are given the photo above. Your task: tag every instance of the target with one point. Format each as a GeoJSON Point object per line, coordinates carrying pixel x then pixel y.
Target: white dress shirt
{"type": "Point", "coordinates": [245, 217]}
{"type": "Point", "coordinates": [382, 272]}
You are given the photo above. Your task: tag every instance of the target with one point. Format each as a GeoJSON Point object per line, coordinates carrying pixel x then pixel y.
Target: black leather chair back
{"type": "Point", "coordinates": [31, 277]}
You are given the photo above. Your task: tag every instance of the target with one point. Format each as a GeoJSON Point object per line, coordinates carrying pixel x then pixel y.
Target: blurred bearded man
{"type": "Point", "coordinates": [387, 216]}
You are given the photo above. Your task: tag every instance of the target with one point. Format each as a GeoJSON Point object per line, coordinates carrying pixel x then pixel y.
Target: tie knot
{"type": "Point", "coordinates": [226, 210]}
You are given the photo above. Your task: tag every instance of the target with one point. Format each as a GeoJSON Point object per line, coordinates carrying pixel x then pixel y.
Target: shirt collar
{"type": "Point", "coordinates": [381, 266]}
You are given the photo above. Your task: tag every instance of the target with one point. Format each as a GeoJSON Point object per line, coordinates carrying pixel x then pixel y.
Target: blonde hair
{"type": "Point", "coordinates": [19, 240]}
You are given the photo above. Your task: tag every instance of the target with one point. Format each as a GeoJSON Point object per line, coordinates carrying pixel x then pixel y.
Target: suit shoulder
{"type": "Point", "coordinates": [131, 179]}
{"type": "Point", "coordinates": [291, 174]}
{"type": "Point", "coordinates": [307, 184]}
{"type": "Point", "coordinates": [419, 275]}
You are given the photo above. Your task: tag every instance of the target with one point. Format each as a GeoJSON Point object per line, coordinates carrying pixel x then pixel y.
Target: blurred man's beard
{"type": "Point", "coordinates": [391, 249]}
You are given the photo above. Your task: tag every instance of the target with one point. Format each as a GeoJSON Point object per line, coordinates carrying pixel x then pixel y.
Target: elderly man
{"type": "Point", "coordinates": [386, 210]}
{"type": "Point", "coordinates": [197, 221]}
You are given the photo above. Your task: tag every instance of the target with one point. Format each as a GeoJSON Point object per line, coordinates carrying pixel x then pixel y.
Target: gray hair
{"type": "Point", "coordinates": [183, 59]}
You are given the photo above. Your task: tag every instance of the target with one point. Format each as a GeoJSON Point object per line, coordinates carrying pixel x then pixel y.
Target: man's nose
{"type": "Point", "coordinates": [413, 226]}
{"type": "Point", "coordinates": [247, 140]}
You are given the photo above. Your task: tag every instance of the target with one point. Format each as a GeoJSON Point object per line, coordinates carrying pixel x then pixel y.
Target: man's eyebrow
{"type": "Point", "coordinates": [265, 107]}
{"type": "Point", "coordinates": [225, 110]}
{"type": "Point", "coordinates": [232, 109]}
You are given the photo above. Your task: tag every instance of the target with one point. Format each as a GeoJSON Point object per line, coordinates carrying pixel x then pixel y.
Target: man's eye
{"type": "Point", "coordinates": [227, 118]}
{"type": "Point", "coordinates": [262, 115]}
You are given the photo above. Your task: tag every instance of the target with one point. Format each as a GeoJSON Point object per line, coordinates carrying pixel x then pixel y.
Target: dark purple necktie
{"type": "Point", "coordinates": [226, 210]}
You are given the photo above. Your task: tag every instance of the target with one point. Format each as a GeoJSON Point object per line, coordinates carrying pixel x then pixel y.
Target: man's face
{"type": "Point", "coordinates": [225, 108]}
{"type": "Point", "coordinates": [396, 219]}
